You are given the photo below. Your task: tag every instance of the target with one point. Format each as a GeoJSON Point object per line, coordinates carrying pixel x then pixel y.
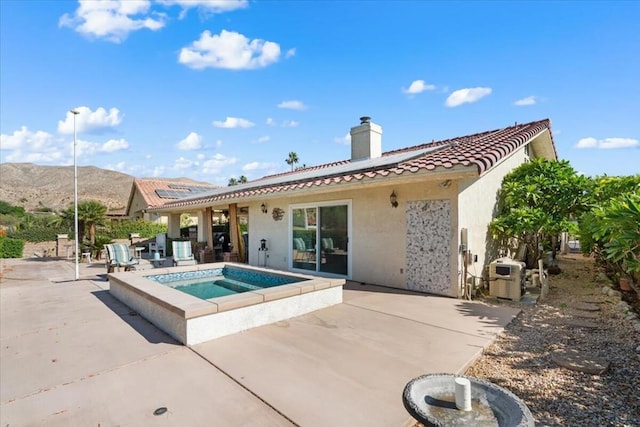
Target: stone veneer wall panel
{"type": "Point", "coordinates": [428, 246]}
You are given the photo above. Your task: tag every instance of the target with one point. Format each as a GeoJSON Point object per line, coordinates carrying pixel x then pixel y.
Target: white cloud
{"type": "Point", "coordinates": [292, 105]}
{"type": "Point", "coordinates": [114, 145]}
{"type": "Point", "coordinates": [211, 6]}
{"type": "Point", "coordinates": [19, 156]}
{"type": "Point", "coordinates": [32, 147]}
{"type": "Point", "coordinates": [587, 143]}
{"type": "Point", "coordinates": [181, 164]}
{"type": "Point", "coordinates": [233, 122]}
{"type": "Point", "coordinates": [263, 139]}
{"type": "Point", "coordinates": [608, 143]}
{"type": "Point", "coordinates": [24, 139]}
{"type": "Point", "coordinates": [193, 141]}
{"type": "Point", "coordinates": [418, 86]}
{"type": "Point", "coordinates": [112, 20]}
{"type": "Point", "coordinates": [529, 100]}
{"type": "Point", "coordinates": [467, 96]}
{"type": "Point", "coordinates": [270, 121]}
{"type": "Point", "coordinates": [88, 121]}
{"type": "Point", "coordinates": [290, 124]}
{"type": "Point", "coordinates": [343, 140]}
{"type": "Point", "coordinates": [229, 50]}
{"type": "Point", "coordinates": [291, 52]}
{"type": "Point", "coordinates": [254, 166]}
{"type": "Point", "coordinates": [217, 163]}
{"type": "Point", "coordinates": [200, 156]}
{"type": "Point", "coordinates": [218, 143]}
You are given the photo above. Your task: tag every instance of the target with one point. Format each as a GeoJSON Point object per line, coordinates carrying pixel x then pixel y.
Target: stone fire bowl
{"type": "Point", "coordinates": [430, 399]}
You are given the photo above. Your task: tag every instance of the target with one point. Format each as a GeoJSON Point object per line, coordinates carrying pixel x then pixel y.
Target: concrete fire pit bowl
{"type": "Point", "coordinates": [431, 400]}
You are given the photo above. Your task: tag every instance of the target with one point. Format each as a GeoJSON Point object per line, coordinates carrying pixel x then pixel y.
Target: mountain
{"type": "Point", "coordinates": [33, 186]}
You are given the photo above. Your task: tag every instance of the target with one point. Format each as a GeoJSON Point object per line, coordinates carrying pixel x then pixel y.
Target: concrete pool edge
{"type": "Point", "coordinates": [192, 320]}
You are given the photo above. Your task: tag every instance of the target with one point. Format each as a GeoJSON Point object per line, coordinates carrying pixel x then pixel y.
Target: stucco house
{"type": "Point", "coordinates": [151, 192]}
{"type": "Point", "coordinates": [407, 218]}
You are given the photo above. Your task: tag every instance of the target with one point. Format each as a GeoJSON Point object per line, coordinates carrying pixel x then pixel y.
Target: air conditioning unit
{"type": "Point", "coordinates": [507, 278]}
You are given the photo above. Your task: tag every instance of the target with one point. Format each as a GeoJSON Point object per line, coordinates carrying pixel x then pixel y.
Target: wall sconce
{"type": "Point", "coordinates": [446, 183]}
{"type": "Point", "coordinates": [263, 208]}
{"type": "Point", "coordinates": [393, 199]}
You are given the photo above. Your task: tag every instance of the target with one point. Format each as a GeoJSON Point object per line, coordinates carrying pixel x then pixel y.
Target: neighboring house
{"type": "Point", "coordinates": [149, 192]}
{"type": "Point", "coordinates": [401, 218]}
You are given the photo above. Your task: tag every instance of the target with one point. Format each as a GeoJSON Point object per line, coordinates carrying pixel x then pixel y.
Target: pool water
{"type": "Point", "coordinates": [217, 288]}
{"type": "Point", "coordinates": [206, 284]}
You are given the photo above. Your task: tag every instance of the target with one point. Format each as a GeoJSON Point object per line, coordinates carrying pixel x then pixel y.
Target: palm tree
{"type": "Point", "coordinates": [90, 214]}
{"type": "Point", "coordinates": [292, 159]}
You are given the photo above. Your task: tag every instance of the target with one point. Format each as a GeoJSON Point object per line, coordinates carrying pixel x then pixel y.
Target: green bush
{"type": "Point", "coordinates": [39, 233]}
{"type": "Point", "coordinates": [11, 248]}
{"type": "Point", "coordinates": [146, 229]}
{"type": "Point", "coordinates": [615, 228]}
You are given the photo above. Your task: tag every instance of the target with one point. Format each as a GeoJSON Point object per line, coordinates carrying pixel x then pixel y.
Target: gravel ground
{"type": "Point", "coordinates": [520, 359]}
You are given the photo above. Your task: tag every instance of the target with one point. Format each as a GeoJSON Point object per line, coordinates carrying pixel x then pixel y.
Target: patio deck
{"type": "Point", "coordinates": [71, 354]}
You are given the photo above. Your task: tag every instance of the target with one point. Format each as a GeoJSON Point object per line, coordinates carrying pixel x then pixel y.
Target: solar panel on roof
{"type": "Point", "coordinates": [189, 188]}
{"type": "Point", "coordinates": [170, 194]}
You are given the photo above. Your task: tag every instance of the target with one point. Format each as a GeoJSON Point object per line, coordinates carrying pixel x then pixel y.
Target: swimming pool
{"type": "Point", "coordinates": [219, 282]}
{"type": "Point", "coordinates": [191, 319]}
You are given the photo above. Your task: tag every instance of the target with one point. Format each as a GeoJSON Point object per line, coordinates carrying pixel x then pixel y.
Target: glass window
{"type": "Point", "coordinates": [320, 238]}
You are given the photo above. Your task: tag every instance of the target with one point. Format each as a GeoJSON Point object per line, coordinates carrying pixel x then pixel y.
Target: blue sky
{"type": "Point", "coordinates": [217, 89]}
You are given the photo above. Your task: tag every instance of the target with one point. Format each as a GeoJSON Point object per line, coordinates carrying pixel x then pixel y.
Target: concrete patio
{"type": "Point", "coordinates": [73, 355]}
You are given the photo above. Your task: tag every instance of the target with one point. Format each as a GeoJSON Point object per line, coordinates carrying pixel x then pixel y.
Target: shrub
{"type": "Point", "coordinates": [11, 248]}
{"type": "Point", "coordinates": [146, 229]}
{"type": "Point", "coordinates": [38, 233]}
{"type": "Point", "coordinates": [615, 228]}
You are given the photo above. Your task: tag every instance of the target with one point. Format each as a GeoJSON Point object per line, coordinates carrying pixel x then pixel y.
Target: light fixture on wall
{"type": "Point", "coordinates": [263, 208]}
{"type": "Point", "coordinates": [393, 199]}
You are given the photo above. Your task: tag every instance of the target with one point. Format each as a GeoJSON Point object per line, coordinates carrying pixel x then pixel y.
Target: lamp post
{"type": "Point", "coordinates": [75, 195]}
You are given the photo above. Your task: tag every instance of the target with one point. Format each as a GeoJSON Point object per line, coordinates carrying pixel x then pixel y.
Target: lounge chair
{"type": "Point", "coordinates": [182, 253]}
{"type": "Point", "coordinates": [118, 255]}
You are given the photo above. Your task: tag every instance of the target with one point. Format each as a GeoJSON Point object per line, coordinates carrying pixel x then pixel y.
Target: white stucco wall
{"type": "Point", "coordinates": [477, 203]}
{"type": "Point", "coordinates": [378, 235]}
{"type": "Point", "coordinates": [138, 205]}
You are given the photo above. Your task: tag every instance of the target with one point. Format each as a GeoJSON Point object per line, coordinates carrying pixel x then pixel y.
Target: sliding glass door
{"type": "Point", "coordinates": [320, 238]}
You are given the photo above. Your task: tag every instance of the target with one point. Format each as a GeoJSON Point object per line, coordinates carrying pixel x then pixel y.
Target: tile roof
{"type": "Point", "coordinates": [147, 188]}
{"type": "Point", "coordinates": [479, 152]}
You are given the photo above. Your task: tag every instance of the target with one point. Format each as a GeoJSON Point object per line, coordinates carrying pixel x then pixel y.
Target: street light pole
{"type": "Point", "coordinates": [75, 195]}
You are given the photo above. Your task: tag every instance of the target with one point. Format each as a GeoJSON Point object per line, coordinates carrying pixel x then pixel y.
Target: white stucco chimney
{"type": "Point", "coordinates": [366, 140]}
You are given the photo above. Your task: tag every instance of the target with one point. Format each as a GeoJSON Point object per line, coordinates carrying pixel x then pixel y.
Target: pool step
{"type": "Point", "coordinates": [237, 286]}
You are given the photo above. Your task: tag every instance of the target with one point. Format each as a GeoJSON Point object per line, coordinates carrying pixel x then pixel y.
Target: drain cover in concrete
{"type": "Point", "coordinates": [586, 306]}
{"type": "Point", "coordinates": [579, 323]}
{"type": "Point", "coordinates": [577, 361]}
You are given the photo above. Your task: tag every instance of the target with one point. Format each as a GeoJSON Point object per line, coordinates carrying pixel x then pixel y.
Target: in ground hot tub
{"type": "Point", "coordinates": [198, 303]}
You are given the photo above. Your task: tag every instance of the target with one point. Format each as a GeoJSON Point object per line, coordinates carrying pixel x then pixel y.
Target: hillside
{"type": "Point", "coordinates": [33, 186]}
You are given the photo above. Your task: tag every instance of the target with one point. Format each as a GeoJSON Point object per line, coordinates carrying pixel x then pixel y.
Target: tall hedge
{"type": "Point", "coordinates": [11, 248]}
{"type": "Point", "coordinates": [146, 229]}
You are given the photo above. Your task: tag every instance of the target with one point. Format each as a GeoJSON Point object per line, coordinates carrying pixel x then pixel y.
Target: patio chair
{"type": "Point", "coordinates": [118, 255]}
{"type": "Point", "coordinates": [182, 253]}
{"type": "Point", "coordinates": [327, 244]}
{"type": "Point", "coordinates": [302, 254]}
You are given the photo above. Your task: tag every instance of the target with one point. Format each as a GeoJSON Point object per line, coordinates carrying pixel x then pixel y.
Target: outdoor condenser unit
{"type": "Point", "coordinates": [507, 278]}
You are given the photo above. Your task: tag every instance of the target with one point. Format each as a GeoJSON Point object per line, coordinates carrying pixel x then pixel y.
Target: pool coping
{"type": "Point", "coordinates": [182, 310]}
